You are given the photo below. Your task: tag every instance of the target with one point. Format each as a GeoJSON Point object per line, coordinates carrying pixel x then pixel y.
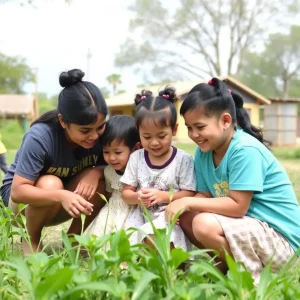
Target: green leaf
{"type": "Point", "coordinates": [142, 285]}
{"type": "Point", "coordinates": [54, 283]}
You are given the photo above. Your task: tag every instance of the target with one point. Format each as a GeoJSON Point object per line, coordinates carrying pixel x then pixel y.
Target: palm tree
{"type": "Point", "coordinates": [114, 80]}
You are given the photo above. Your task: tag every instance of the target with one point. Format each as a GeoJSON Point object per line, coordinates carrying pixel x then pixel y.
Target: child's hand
{"type": "Point", "coordinates": [174, 207]}
{"type": "Point", "coordinates": [154, 196]}
{"type": "Point", "coordinates": [143, 198]}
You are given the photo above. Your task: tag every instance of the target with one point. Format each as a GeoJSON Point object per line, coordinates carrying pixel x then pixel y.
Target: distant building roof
{"type": "Point", "coordinates": [289, 100]}
{"type": "Point", "coordinates": [182, 87]}
{"type": "Point", "coordinates": [17, 105]}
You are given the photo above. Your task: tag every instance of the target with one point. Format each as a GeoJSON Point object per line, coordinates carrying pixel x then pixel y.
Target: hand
{"type": "Point", "coordinates": [152, 196]}
{"type": "Point", "coordinates": [179, 205]}
{"type": "Point", "coordinates": [144, 200]}
{"type": "Point", "coordinates": [74, 204]}
{"type": "Point", "coordinates": [87, 186]}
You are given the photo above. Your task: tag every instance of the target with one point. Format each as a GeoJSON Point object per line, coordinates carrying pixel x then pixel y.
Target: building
{"type": "Point", "coordinates": [281, 123]}
{"type": "Point", "coordinates": [124, 103]}
{"type": "Point", "coordinates": [20, 107]}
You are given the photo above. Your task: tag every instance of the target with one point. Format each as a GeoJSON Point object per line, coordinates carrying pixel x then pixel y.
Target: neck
{"type": "Point", "coordinates": [220, 152]}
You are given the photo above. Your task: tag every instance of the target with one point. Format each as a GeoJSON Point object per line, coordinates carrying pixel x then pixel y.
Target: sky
{"type": "Point", "coordinates": [55, 36]}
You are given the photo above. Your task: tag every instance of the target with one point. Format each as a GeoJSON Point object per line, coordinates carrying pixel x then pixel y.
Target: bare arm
{"type": "Point", "coordinates": [130, 195]}
{"type": "Point", "coordinates": [235, 205]}
{"type": "Point", "coordinates": [24, 191]}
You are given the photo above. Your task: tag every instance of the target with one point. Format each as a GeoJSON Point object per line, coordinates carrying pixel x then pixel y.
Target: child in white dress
{"type": "Point", "coordinates": [119, 140]}
{"type": "Point", "coordinates": [153, 170]}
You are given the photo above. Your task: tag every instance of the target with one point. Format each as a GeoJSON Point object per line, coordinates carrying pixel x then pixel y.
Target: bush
{"type": "Point", "coordinates": [11, 133]}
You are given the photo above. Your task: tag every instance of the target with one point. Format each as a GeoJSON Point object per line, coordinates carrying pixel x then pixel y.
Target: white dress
{"type": "Point", "coordinates": [177, 172]}
{"type": "Point", "coordinates": [116, 214]}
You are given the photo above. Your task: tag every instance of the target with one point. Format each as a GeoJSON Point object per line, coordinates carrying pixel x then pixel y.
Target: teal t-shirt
{"type": "Point", "coordinates": [249, 166]}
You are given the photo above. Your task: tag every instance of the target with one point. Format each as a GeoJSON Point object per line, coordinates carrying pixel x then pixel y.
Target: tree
{"type": "Point", "coordinates": [105, 92]}
{"type": "Point", "coordinates": [197, 37]}
{"type": "Point", "coordinates": [275, 71]}
{"type": "Point", "coordinates": [14, 74]}
{"type": "Point", "coordinates": [114, 80]}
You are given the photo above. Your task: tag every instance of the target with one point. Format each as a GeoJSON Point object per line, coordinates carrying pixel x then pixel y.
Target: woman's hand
{"type": "Point", "coordinates": [179, 205]}
{"type": "Point", "coordinates": [74, 204]}
{"type": "Point", "coordinates": [87, 186]}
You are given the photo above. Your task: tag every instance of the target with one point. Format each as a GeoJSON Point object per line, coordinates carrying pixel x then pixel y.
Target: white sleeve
{"type": "Point", "coordinates": [130, 175]}
{"type": "Point", "coordinates": [187, 178]}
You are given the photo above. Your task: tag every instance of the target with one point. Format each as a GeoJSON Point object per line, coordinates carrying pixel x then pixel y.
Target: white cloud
{"type": "Point", "coordinates": [55, 36]}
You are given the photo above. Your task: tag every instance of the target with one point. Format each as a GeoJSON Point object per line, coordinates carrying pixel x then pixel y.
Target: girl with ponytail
{"type": "Point", "coordinates": [245, 205]}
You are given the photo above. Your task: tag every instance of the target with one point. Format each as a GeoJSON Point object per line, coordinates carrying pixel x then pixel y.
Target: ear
{"type": "Point", "coordinates": [174, 131]}
{"type": "Point", "coordinates": [226, 120]}
{"type": "Point", "coordinates": [61, 121]}
{"type": "Point", "coordinates": [137, 146]}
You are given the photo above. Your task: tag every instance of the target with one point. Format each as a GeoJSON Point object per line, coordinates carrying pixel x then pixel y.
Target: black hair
{"type": "Point", "coordinates": [160, 109]}
{"type": "Point", "coordinates": [120, 128]}
{"type": "Point", "coordinates": [79, 102]}
{"type": "Point", "coordinates": [215, 98]}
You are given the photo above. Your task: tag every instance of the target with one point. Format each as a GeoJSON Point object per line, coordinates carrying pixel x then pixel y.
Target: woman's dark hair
{"type": "Point", "coordinates": [215, 98]}
{"type": "Point", "coordinates": [120, 128]}
{"type": "Point", "coordinates": [160, 109]}
{"type": "Point", "coordinates": [79, 102]}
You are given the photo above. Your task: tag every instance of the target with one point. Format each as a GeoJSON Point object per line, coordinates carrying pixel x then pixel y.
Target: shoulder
{"type": "Point", "coordinates": [41, 132]}
{"type": "Point", "coordinates": [137, 154]}
{"type": "Point", "coordinates": [248, 146]}
{"type": "Point", "coordinates": [41, 129]}
{"type": "Point", "coordinates": [181, 154]}
{"type": "Point", "coordinates": [109, 171]}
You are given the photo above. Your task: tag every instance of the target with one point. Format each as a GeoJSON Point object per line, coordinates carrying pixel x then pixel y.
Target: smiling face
{"type": "Point", "coordinates": [84, 135]}
{"type": "Point", "coordinates": [156, 139]}
{"type": "Point", "coordinates": [117, 155]}
{"type": "Point", "coordinates": [210, 133]}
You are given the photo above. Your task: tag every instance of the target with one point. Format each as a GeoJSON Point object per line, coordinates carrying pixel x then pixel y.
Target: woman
{"type": "Point", "coordinates": [57, 170]}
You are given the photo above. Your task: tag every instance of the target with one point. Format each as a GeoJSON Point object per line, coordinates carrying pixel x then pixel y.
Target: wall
{"type": "Point", "coordinates": [122, 110]}
{"type": "Point", "coordinates": [280, 125]}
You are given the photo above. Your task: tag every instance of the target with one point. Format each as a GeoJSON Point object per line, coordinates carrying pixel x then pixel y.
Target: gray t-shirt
{"type": "Point", "coordinates": [45, 150]}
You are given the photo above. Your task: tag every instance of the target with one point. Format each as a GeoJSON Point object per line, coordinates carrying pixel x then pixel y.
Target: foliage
{"type": "Point", "coordinates": [150, 274]}
{"type": "Point", "coordinates": [114, 80]}
{"type": "Point", "coordinates": [14, 74]}
{"type": "Point", "coordinates": [11, 133]}
{"type": "Point", "coordinates": [275, 71]}
{"type": "Point", "coordinates": [193, 37]}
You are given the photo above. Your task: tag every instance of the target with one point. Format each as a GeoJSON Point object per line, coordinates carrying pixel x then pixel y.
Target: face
{"type": "Point", "coordinates": [117, 155]}
{"type": "Point", "coordinates": [84, 135]}
{"type": "Point", "coordinates": [209, 133]}
{"type": "Point", "coordinates": [156, 140]}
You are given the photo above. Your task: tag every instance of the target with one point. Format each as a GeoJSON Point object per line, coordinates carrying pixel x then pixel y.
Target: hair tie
{"type": "Point", "coordinates": [230, 91]}
{"type": "Point", "coordinates": [210, 82]}
{"type": "Point", "coordinates": [165, 96]}
{"type": "Point", "coordinates": [143, 98]}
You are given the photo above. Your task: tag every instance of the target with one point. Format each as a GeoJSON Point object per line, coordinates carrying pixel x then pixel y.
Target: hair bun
{"type": "Point", "coordinates": [70, 77]}
{"type": "Point", "coordinates": [142, 96]}
{"type": "Point", "coordinates": [169, 94]}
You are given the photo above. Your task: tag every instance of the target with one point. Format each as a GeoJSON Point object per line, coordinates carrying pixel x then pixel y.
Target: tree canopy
{"type": "Point", "coordinates": [198, 37]}
{"type": "Point", "coordinates": [14, 74]}
{"type": "Point", "coordinates": [276, 70]}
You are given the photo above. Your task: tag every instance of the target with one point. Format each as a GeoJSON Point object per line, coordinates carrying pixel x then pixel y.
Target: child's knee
{"type": "Point", "coordinates": [205, 225]}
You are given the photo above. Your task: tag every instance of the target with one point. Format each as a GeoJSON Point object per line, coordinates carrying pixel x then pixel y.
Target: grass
{"type": "Point", "coordinates": [286, 157]}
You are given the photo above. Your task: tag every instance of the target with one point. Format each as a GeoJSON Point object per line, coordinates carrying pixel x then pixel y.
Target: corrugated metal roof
{"type": "Point", "coordinates": [182, 87]}
{"type": "Point", "coordinates": [16, 104]}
